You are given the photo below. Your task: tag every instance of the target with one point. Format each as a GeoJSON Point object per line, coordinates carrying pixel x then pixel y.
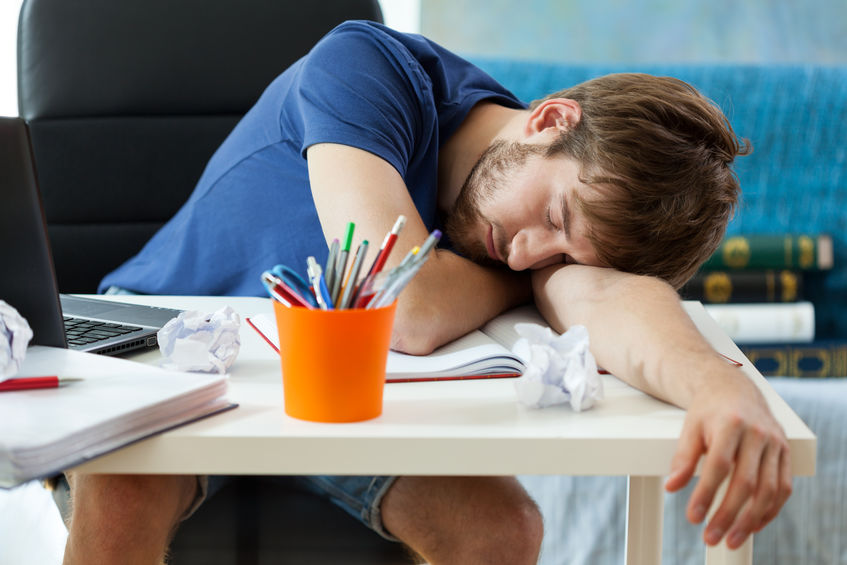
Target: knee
{"type": "Point", "coordinates": [119, 498]}
{"type": "Point", "coordinates": [519, 534]}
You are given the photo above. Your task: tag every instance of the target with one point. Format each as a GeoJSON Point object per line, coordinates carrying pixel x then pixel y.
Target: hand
{"type": "Point", "coordinates": [731, 425]}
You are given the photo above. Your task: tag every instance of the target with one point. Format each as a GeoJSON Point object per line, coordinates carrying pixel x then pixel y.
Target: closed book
{"type": "Point", "coordinates": [720, 287]}
{"type": "Point", "coordinates": [819, 359]}
{"type": "Point", "coordinates": [777, 251]}
{"type": "Point", "coordinates": [766, 323]}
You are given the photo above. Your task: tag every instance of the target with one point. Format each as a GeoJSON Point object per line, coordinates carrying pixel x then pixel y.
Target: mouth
{"type": "Point", "coordinates": [489, 244]}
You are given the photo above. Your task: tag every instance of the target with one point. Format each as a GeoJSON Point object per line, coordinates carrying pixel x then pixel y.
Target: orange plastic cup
{"type": "Point", "coordinates": [333, 361]}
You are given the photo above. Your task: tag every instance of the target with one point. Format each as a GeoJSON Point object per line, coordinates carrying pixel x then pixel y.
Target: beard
{"type": "Point", "coordinates": [487, 179]}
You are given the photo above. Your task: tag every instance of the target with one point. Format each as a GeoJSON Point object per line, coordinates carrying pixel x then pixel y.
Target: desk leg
{"type": "Point", "coordinates": [721, 554]}
{"type": "Point", "coordinates": [645, 507]}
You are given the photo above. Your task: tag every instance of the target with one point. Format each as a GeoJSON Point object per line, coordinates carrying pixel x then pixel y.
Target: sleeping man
{"type": "Point", "coordinates": [595, 203]}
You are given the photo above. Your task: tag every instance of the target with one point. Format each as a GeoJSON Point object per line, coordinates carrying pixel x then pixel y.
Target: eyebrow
{"type": "Point", "coordinates": [566, 216]}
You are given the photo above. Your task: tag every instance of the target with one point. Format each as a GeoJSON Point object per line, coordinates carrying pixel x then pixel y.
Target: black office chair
{"type": "Point", "coordinates": [126, 101]}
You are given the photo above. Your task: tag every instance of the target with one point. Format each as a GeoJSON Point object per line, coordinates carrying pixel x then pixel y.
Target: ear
{"type": "Point", "coordinates": [553, 116]}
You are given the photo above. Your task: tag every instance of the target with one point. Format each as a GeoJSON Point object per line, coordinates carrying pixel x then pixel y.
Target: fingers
{"type": "Point", "coordinates": [784, 490]}
{"type": "Point", "coordinates": [688, 451]}
{"type": "Point", "coordinates": [742, 485]}
{"type": "Point", "coordinates": [758, 487]}
{"type": "Point", "coordinates": [716, 467]}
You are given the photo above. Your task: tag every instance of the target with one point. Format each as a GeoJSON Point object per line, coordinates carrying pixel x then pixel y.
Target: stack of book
{"type": "Point", "coordinates": [753, 287]}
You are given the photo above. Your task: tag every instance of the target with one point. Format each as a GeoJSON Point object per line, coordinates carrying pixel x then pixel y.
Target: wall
{"type": "Point", "coordinates": [779, 31]}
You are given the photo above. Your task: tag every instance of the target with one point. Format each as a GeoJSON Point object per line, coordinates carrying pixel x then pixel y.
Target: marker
{"type": "Point", "coordinates": [32, 383]}
{"type": "Point", "coordinates": [342, 262]}
{"type": "Point", "coordinates": [350, 284]}
{"type": "Point", "coordinates": [319, 284]}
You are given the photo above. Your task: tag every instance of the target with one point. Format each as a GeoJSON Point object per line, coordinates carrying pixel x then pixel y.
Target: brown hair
{"type": "Point", "coordinates": [659, 153]}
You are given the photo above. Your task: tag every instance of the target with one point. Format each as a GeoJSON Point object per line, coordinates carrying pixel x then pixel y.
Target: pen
{"type": "Point", "coordinates": [402, 274]}
{"type": "Point", "coordinates": [342, 262]}
{"type": "Point", "coordinates": [350, 285]}
{"type": "Point", "coordinates": [329, 270]}
{"type": "Point", "coordinates": [277, 288]}
{"type": "Point", "coordinates": [30, 383]}
{"type": "Point", "coordinates": [387, 245]}
{"type": "Point", "coordinates": [319, 284]}
{"type": "Point", "coordinates": [400, 277]}
{"type": "Point", "coordinates": [409, 256]}
{"type": "Point", "coordinates": [428, 245]}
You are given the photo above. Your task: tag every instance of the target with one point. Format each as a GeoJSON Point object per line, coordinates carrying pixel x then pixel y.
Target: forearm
{"type": "Point", "coordinates": [451, 296]}
{"type": "Point", "coordinates": [638, 329]}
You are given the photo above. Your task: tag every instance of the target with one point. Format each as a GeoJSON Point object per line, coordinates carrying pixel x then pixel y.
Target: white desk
{"type": "Point", "coordinates": [448, 428]}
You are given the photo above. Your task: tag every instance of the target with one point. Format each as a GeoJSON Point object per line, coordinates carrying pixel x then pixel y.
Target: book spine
{"type": "Point", "coordinates": [765, 323]}
{"type": "Point", "coordinates": [824, 359]}
{"type": "Point", "coordinates": [786, 251]}
{"type": "Point", "coordinates": [721, 287]}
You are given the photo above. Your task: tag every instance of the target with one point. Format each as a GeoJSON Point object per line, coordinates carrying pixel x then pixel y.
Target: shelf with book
{"type": "Point", "coordinates": [729, 287]}
{"type": "Point", "coordinates": [818, 359]}
{"type": "Point", "coordinates": [792, 322]}
{"type": "Point", "coordinates": [773, 251]}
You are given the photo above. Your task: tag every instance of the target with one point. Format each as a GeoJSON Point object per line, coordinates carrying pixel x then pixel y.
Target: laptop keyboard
{"type": "Point", "coordinates": [81, 331]}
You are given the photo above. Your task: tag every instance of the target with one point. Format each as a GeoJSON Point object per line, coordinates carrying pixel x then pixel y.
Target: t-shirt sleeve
{"type": "Point", "coordinates": [356, 88]}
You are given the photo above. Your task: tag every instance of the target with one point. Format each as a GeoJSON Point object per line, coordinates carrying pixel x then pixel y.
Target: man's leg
{"type": "Point", "coordinates": [464, 520]}
{"type": "Point", "coordinates": [128, 519]}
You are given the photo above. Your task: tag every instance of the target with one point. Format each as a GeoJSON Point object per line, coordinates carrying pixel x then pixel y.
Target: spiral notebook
{"type": "Point", "coordinates": [481, 354]}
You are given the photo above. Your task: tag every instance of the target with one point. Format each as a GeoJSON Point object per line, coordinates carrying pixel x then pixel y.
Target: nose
{"type": "Point", "coordinates": [533, 249]}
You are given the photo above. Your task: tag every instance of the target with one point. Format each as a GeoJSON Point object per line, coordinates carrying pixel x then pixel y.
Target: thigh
{"type": "Point", "coordinates": [472, 515]}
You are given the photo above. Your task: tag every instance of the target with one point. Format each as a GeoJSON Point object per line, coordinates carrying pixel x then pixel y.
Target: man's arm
{"type": "Point", "coordinates": [640, 333]}
{"type": "Point", "coordinates": [450, 296]}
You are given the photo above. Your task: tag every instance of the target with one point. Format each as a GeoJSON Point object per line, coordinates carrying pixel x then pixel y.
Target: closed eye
{"type": "Point", "coordinates": [550, 223]}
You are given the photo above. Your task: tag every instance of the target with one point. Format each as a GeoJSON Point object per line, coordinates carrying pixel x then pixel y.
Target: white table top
{"type": "Point", "coordinates": [457, 427]}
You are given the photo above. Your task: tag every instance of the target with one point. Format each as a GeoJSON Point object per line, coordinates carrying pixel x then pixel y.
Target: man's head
{"type": "Point", "coordinates": [645, 163]}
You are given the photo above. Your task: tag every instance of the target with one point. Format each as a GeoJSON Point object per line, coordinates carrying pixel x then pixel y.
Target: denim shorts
{"type": "Point", "coordinates": [359, 496]}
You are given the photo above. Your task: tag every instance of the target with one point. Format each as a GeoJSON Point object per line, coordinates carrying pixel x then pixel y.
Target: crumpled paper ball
{"type": "Point", "coordinates": [201, 342]}
{"type": "Point", "coordinates": [15, 334]}
{"type": "Point", "coordinates": [560, 368]}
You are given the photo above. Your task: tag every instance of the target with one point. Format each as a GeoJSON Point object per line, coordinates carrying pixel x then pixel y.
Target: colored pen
{"type": "Point", "coordinates": [400, 277]}
{"type": "Point", "coordinates": [31, 383]}
{"type": "Point", "coordinates": [329, 270]}
{"type": "Point", "coordinates": [319, 284]}
{"type": "Point", "coordinates": [409, 256]}
{"type": "Point", "coordinates": [353, 276]}
{"type": "Point", "coordinates": [428, 245]}
{"type": "Point", "coordinates": [403, 273]}
{"type": "Point", "coordinates": [342, 262]}
{"type": "Point", "coordinates": [277, 288]}
{"type": "Point", "coordinates": [387, 245]}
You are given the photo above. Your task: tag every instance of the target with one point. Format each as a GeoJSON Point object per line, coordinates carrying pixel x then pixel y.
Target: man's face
{"type": "Point", "coordinates": [518, 207]}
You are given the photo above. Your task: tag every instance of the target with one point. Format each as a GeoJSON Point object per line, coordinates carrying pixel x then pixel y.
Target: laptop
{"type": "Point", "coordinates": [27, 275]}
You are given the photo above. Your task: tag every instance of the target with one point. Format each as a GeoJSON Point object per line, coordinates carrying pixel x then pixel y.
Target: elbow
{"type": "Point", "coordinates": [417, 331]}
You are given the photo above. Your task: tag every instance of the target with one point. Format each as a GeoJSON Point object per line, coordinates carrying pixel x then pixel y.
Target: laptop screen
{"type": "Point", "coordinates": [28, 281]}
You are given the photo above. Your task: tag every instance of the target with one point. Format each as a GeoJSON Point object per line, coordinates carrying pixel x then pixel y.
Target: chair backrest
{"type": "Point", "coordinates": [127, 100]}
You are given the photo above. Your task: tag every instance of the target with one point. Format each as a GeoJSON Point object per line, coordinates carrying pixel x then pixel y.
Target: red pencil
{"type": "Point", "coordinates": [28, 383]}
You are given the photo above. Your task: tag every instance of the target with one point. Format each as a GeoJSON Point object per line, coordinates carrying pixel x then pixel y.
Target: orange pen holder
{"type": "Point", "coordinates": [333, 361]}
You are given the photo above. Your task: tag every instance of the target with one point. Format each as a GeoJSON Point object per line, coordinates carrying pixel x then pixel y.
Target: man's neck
{"type": "Point", "coordinates": [485, 122]}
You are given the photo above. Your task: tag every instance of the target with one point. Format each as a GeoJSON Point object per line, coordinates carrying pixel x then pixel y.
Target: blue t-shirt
{"type": "Point", "coordinates": [396, 95]}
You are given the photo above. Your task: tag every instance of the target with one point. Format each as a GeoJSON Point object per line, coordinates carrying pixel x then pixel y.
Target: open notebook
{"type": "Point", "coordinates": [481, 354]}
